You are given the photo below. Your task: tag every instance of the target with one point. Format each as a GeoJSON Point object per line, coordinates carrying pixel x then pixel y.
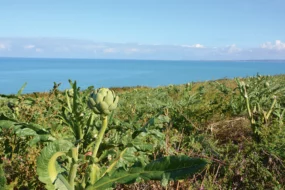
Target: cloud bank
{"type": "Point", "coordinates": [278, 45]}
{"type": "Point", "coordinates": [72, 48]}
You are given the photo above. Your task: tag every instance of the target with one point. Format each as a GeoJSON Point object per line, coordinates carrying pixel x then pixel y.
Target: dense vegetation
{"type": "Point", "coordinates": [225, 134]}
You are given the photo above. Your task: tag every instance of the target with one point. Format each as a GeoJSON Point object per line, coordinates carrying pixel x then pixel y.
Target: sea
{"type": "Point", "coordinates": [41, 73]}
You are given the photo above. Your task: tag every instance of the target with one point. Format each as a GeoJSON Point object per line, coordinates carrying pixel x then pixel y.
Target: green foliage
{"type": "Point", "coordinates": [33, 133]}
{"type": "Point", "coordinates": [98, 169]}
{"type": "Point", "coordinates": [21, 89]}
{"type": "Point", "coordinates": [165, 169]}
{"type": "Point", "coordinates": [74, 111]}
{"type": "Point", "coordinates": [3, 180]}
{"type": "Point", "coordinates": [261, 96]}
{"type": "Point", "coordinates": [47, 166]}
{"type": "Point", "coordinates": [208, 120]}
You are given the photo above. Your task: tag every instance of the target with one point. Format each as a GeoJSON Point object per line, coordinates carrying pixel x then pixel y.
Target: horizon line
{"type": "Point", "coordinates": [78, 58]}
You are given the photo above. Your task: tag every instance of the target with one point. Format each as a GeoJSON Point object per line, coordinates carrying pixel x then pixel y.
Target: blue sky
{"type": "Point", "coordinates": [148, 29]}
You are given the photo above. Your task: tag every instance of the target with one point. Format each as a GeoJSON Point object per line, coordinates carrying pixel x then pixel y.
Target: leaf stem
{"type": "Point", "coordinates": [100, 136]}
{"type": "Point", "coordinates": [271, 109]}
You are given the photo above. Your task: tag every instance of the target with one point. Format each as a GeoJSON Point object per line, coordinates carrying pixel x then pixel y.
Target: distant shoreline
{"type": "Point", "coordinates": [125, 88]}
{"type": "Point", "coordinates": [212, 60]}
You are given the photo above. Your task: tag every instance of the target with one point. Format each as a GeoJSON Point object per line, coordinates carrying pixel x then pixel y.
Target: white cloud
{"type": "Point", "coordinates": [278, 45]}
{"type": "Point", "coordinates": [89, 47]}
{"type": "Point", "coordinates": [29, 46]}
{"type": "Point", "coordinates": [33, 47]}
{"type": "Point", "coordinates": [56, 47]}
{"type": "Point", "coordinates": [61, 49]}
{"type": "Point", "coordinates": [3, 46]}
{"type": "Point", "coordinates": [198, 46]}
{"type": "Point", "coordinates": [132, 50]}
{"type": "Point", "coordinates": [233, 49]}
{"type": "Point", "coordinates": [110, 50]}
{"type": "Point", "coordinates": [39, 50]}
{"type": "Point", "coordinates": [193, 46]}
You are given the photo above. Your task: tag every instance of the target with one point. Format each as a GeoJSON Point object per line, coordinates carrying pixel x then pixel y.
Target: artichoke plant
{"type": "Point", "coordinates": [103, 101]}
{"type": "Point", "coordinates": [70, 92]}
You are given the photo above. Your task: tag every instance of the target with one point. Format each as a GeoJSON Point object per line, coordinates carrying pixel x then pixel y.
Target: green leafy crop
{"type": "Point", "coordinates": [224, 134]}
{"type": "Point", "coordinates": [125, 161]}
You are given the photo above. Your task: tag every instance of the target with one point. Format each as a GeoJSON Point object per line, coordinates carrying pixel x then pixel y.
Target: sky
{"type": "Point", "coordinates": [143, 29]}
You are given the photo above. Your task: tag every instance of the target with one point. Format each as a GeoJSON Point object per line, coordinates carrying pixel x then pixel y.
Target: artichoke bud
{"type": "Point", "coordinates": [70, 92]}
{"type": "Point", "coordinates": [274, 97]}
{"type": "Point", "coordinates": [254, 109]}
{"type": "Point", "coordinates": [266, 84]}
{"type": "Point", "coordinates": [242, 83]}
{"type": "Point", "coordinates": [103, 101]}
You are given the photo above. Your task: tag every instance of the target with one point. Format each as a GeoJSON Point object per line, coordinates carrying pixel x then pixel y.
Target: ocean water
{"type": "Point", "coordinates": [41, 73]}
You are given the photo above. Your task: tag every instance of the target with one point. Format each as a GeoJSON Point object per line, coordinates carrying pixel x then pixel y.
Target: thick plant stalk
{"type": "Point", "coordinates": [249, 111]}
{"type": "Point", "coordinates": [93, 175]}
{"type": "Point", "coordinates": [100, 136]}
{"type": "Point", "coordinates": [79, 133]}
{"type": "Point", "coordinates": [74, 167]}
{"type": "Point", "coordinates": [72, 175]}
{"type": "Point", "coordinates": [247, 101]}
{"type": "Point", "coordinates": [271, 108]}
{"type": "Point", "coordinates": [103, 102]}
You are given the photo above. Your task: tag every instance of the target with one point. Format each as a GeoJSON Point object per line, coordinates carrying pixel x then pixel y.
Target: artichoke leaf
{"type": "Point", "coordinates": [47, 167]}
{"type": "Point", "coordinates": [164, 169]}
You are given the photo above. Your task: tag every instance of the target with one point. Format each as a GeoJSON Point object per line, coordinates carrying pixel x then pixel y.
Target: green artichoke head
{"type": "Point", "coordinates": [103, 101]}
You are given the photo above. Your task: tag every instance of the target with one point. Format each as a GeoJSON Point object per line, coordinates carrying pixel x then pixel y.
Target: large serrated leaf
{"type": "Point", "coordinates": [62, 184]}
{"type": "Point", "coordinates": [27, 129]}
{"type": "Point", "coordinates": [167, 168]}
{"type": "Point", "coordinates": [25, 132]}
{"type": "Point", "coordinates": [34, 141]}
{"type": "Point", "coordinates": [137, 143]}
{"type": "Point", "coordinates": [175, 167]}
{"type": "Point", "coordinates": [11, 125]}
{"type": "Point", "coordinates": [4, 117]}
{"type": "Point", "coordinates": [6, 124]}
{"type": "Point", "coordinates": [36, 127]}
{"type": "Point", "coordinates": [49, 153]}
{"type": "Point", "coordinates": [120, 176]}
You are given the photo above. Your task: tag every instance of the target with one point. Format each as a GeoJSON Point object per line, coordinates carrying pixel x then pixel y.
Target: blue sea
{"type": "Point", "coordinates": [41, 73]}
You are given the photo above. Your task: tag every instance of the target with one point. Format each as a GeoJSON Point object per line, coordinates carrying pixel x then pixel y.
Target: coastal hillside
{"type": "Point", "coordinates": [222, 134]}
